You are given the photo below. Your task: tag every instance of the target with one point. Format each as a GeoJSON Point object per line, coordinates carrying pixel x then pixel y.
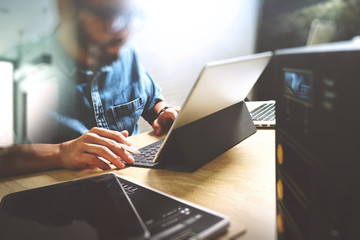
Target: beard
{"type": "Point", "coordinates": [99, 54]}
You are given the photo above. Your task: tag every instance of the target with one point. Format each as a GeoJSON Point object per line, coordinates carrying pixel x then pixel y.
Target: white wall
{"type": "Point", "coordinates": [180, 36]}
{"type": "Point", "coordinates": [176, 38]}
{"type": "Point", "coordinates": [25, 20]}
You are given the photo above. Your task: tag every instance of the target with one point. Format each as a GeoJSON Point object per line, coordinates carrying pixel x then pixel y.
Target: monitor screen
{"type": "Point", "coordinates": [298, 85]}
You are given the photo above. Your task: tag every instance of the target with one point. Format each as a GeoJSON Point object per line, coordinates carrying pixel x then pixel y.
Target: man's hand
{"type": "Point", "coordinates": [164, 121]}
{"type": "Point", "coordinates": [85, 151]}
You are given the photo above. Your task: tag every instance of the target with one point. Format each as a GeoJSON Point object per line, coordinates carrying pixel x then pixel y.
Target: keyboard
{"type": "Point", "coordinates": [265, 112]}
{"type": "Point", "coordinates": [145, 159]}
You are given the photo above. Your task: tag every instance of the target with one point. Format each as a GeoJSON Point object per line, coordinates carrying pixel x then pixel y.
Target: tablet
{"type": "Point", "coordinates": [91, 208]}
{"type": "Point", "coordinates": [104, 207]}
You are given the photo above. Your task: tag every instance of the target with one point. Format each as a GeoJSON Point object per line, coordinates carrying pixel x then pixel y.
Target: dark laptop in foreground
{"type": "Point", "coordinates": [104, 207]}
{"type": "Point", "coordinates": [213, 118]}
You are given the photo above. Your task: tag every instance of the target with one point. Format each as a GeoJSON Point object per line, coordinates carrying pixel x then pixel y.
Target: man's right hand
{"type": "Point", "coordinates": [84, 152]}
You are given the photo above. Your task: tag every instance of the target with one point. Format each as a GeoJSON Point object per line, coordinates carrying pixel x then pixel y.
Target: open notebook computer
{"type": "Point", "coordinates": [212, 115]}
{"type": "Point", "coordinates": [262, 113]}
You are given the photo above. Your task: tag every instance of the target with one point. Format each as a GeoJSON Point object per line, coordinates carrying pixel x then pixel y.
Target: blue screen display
{"type": "Point", "coordinates": [298, 84]}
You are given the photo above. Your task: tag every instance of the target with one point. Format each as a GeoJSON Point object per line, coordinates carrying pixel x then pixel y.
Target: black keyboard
{"type": "Point", "coordinates": [145, 159]}
{"type": "Point", "coordinates": [265, 112]}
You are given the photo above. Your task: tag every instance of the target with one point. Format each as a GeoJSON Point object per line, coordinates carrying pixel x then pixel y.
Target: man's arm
{"type": "Point", "coordinates": [83, 152]}
{"type": "Point", "coordinates": [26, 158]}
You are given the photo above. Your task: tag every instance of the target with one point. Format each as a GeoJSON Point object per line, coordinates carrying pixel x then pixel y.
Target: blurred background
{"type": "Point", "coordinates": [176, 38]}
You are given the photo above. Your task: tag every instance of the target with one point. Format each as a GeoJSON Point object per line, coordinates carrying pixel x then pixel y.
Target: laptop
{"type": "Point", "coordinates": [213, 117]}
{"type": "Point", "coordinates": [104, 207]}
{"type": "Point", "coordinates": [262, 113]}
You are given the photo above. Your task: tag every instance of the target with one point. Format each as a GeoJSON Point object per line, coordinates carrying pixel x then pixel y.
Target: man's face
{"type": "Point", "coordinates": [103, 27]}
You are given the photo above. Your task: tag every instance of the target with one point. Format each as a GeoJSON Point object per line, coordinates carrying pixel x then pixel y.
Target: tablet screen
{"type": "Point", "coordinates": [92, 208]}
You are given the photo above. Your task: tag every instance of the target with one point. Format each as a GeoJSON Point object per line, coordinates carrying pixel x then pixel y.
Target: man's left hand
{"type": "Point", "coordinates": [164, 121]}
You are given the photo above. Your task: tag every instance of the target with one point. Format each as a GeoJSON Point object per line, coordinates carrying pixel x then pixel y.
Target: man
{"type": "Point", "coordinates": [109, 87]}
{"type": "Point", "coordinates": [102, 92]}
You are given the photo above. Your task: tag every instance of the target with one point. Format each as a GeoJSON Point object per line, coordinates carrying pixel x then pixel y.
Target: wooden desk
{"type": "Point", "coordinates": [240, 183]}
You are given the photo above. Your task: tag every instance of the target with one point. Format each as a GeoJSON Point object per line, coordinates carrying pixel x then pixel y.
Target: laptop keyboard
{"type": "Point", "coordinates": [145, 159]}
{"type": "Point", "coordinates": [265, 112]}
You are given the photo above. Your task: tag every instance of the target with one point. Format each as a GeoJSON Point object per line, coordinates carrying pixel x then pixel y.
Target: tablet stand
{"type": "Point", "coordinates": [195, 144]}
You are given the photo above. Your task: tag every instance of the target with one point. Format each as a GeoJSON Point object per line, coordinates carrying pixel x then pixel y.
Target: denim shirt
{"type": "Point", "coordinates": [115, 97]}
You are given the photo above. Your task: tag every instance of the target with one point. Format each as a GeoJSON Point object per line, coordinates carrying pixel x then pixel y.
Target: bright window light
{"type": "Point", "coordinates": [6, 98]}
